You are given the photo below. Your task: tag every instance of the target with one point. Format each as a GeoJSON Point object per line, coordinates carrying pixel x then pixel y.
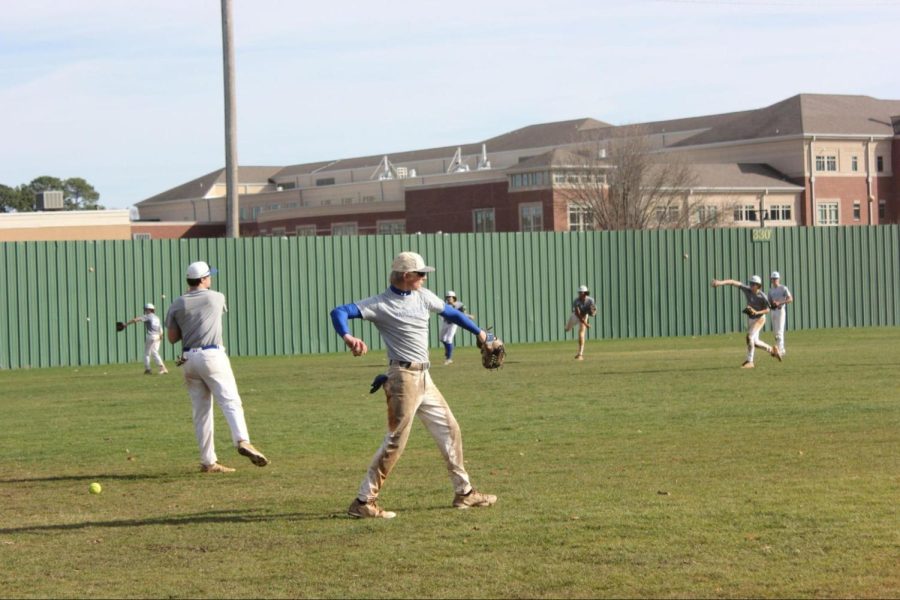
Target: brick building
{"type": "Point", "coordinates": [807, 160]}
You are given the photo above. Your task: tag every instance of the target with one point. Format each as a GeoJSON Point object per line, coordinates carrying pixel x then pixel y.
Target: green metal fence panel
{"type": "Point", "coordinates": [60, 299]}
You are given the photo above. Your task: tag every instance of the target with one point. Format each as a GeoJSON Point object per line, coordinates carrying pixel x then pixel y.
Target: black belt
{"type": "Point", "coordinates": [411, 365]}
{"type": "Point", "coordinates": [210, 347]}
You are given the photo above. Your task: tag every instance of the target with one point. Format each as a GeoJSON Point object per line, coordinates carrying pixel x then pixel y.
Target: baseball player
{"type": "Point", "coordinates": [401, 314]}
{"type": "Point", "coordinates": [152, 338]}
{"type": "Point", "coordinates": [779, 298]}
{"type": "Point", "coordinates": [196, 319]}
{"type": "Point", "coordinates": [449, 328]}
{"type": "Point", "coordinates": [583, 307]}
{"type": "Point", "coordinates": [756, 310]}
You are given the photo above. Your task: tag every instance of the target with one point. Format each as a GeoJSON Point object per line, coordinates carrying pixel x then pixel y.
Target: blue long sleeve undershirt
{"type": "Point", "coordinates": [341, 315]}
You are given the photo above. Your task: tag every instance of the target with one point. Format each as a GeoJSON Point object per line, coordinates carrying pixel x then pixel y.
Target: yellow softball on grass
{"type": "Point", "coordinates": [95, 488]}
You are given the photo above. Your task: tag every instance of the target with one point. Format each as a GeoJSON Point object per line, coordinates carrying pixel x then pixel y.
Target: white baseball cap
{"type": "Point", "coordinates": [149, 306]}
{"type": "Point", "coordinates": [775, 275]}
{"type": "Point", "coordinates": [407, 262]}
{"type": "Point", "coordinates": [199, 270]}
{"type": "Point", "coordinates": [756, 279]}
{"type": "Point", "coordinates": [582, 288]}
{"type": "Point", "coordinates": [450, 294]}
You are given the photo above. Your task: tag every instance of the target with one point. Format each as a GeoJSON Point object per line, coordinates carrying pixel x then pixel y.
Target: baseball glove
{"type": "Point", "coordinates": [748, 310]}
{"type": "Point", "coordinates": [120, 326]}
{"type": "Point", "coordinates": [593, 310]}
{"type": "Point", "coordinates": [493, 352]}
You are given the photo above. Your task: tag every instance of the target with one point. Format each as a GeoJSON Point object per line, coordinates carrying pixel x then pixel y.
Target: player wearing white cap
{"type": "Point", "coordinates": [583, 307]}
{"type": "Point", "coordinates": [152, 338]}
{"type": "Point", "coordinates": [402, 314]}
{"type": "Point", "coordinates": [449, 328]}
{"type": "Point", "coordinates": [779, 297]}
{"type": "Point", "coordinates": [756, 311]}
{"type": "Point", "coordinates": [196, 319]}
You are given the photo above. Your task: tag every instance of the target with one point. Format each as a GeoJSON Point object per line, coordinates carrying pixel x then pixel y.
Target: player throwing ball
{"type": "Point", "coordinates": [756, 310]}
{"type": "Point", "coordinates": [152, 338]}
{"type": "Point", "coordinates": [583, 307]}
{"type": "Point", "coordinates": [196, 319]}
{"type": "Point", "coordinates": [402, 315]}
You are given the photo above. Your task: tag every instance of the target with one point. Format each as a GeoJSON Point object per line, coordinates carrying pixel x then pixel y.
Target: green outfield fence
{"type": "Point", "coordinates": [60, 299]}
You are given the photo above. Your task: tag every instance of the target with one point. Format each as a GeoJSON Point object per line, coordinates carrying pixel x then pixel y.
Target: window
{"type": "Point", "coordinates": [826, 162]}
{"type": "Point", "coordinates": [666, 215]}
{"type": "Point", "coordinates": [559, 178]}
{"type": "Point", "coordinates": [707, 214]}
{"type": "Point", "coordinates": [278, 231]}
{"type": "Point", "coordinates": [780, 212]}
{"type": "Point", "coordinates": [879, 164]}
{"type": "Point", "coordinates": [304, 230]}
{"type": "Point", "coordinates": [882, 210]}
{"type": "Point", "coordinates": [531, 217]}
{"type": "Point", "coordinates": [368, 198]}
{"type": "Point", "coordinates": [745, 213]}
{"type": "Point", "coordinates": [344, 228]}
{"type": "Point", "coordinates": [581, 218]}
{"type": "Point", "coordinates": [325, 181]}
{"type": "Point", "coordinates": [391, 227]}
{"type": "Point", "coordinates": [856, 211]}
{"type": "Point", "coordinates": [827, 213]}
{"type": "Point", "coordinates": [347, 200]}
{"type": "Point", "coordinates": [256, 211]}
{"type": "Point", "coordinates": [140, 236]}
{"type": "Point", "coordinates": [483, 220]}
{"type": "Point", "coordinates": [854, 163]}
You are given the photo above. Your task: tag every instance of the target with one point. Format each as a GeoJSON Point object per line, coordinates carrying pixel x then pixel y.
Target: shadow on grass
{"type": "Point", "coordinates": [223, 516]}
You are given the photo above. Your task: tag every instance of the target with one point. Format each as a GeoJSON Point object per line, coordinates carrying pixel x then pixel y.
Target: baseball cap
{"type": "Point", "coordinates": [756, 279]}
{"type": "Point", "coordinates": [149, 306]}
{"type": "Point", "coordinates": [450, 293]}
{"type": "Point", "coordinates": [775, 275]}
{"type": "Point", "coordinates": [199, 270]}
{"type": "Point", "coordinates": [407, 262]}
{"type": "Point", "coordinates": [582, 288]}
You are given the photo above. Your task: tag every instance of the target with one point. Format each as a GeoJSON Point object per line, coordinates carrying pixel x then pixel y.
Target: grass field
{"type": "Point", "coordinates": [655, 468]}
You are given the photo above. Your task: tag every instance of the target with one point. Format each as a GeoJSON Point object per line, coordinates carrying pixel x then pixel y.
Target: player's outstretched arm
{"type": "Point", "coordinates": [460, 318]}
{"type": "Point", "coordinates": [720, 282]}
{"type": "Point", "coordinates": [340, 319]}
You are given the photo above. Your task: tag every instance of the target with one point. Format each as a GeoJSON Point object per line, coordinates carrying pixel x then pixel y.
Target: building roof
{"type": "Point", "coordinates": [740, 175]}
{"type": "Point", "coordinates": [805, 114]}
{"type": "Point", "coordinates": [558, 157]}
{"type": "Point", "coordinates": [200, 187]}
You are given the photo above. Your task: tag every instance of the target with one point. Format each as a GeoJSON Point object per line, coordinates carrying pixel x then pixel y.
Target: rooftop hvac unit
{"type": "Point", "coordinates": [49, 200]}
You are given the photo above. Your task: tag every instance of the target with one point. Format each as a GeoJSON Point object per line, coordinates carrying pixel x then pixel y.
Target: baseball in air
{"type": "Point", "coordinates": [95, 488]}
{"type": "Point", "coordinates": [684, 256]}
{"type": "Point", "coordinates": [91, 269]}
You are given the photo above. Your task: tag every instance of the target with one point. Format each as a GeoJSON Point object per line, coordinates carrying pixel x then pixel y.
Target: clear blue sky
{"type": "Point", "coordinates": [128, 94]}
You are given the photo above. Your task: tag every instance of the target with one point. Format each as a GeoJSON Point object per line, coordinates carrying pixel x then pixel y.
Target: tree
{"type": "Point", "coordinates": [78, 194]}
{"type": "Point", "coordinates": [621, 183]}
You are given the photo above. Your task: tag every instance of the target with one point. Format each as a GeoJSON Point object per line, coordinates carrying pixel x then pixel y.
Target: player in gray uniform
{"type": "Point", "coordinates": [757, 309]}
{"type": "Point", "coordinates": [583, 307]}
{"type": "Point", "coordinates": [402, 314]}
{"type": "Point", "coordinates": [196, 319]}
{"type": "Point", "coordinates": [152, 338]}
{"type": "Point", "coordinates": [779, 298]}
{"type": "Point", "coordinates": [449, 328]}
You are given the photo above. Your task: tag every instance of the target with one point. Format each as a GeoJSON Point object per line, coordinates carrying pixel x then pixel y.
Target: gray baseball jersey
{"type": "Point", "coordinates": [757, 301]}
{"type": "Point", "coordinates": [583, 307]}
{"type": "Point", "coordinates": [151, 324]}
{"type": "Point", "coordinates": [779, 294]}
{"type": "Point", "coordinates": [402, 321]}
{"type": "Point", "coordinates": [198, 314]}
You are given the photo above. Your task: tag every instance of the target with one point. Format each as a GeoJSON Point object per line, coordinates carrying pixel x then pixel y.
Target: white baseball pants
{"type": "Point", "coordinates": [448, 332]}
{"type": "Point", "coordinates": [754, 327]}
{"type": "Point", "coordinates": [151, 349]}
{"type": "Point", "coordinates": [208, 375]}
{"type": "Point", "coordinates": [411, 393]}
{"type": "Point", "coordinates": [779, 318]}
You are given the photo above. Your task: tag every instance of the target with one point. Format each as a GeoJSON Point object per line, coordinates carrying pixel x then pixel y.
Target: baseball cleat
{"type": "Point", "coordinates": [473, 499]}
{"type": "Point", "coordinates": [215, 468]}
{"type": "Point", "coordinates": [255, 456]}
{"type": "Point", "coordinates": [148, 372]}
{"type": "Point", "coordinates": [747, 365]}
{"type": "Point", "coordinates": [449, 361]}
{"type": "Point", "coordinates": [378, 382]}
{"type": "Point", "coordinates": [368, 510]}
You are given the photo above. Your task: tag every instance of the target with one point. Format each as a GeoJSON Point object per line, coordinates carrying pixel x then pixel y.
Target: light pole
{"type": "Point", "coordinates": [232, 198]}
